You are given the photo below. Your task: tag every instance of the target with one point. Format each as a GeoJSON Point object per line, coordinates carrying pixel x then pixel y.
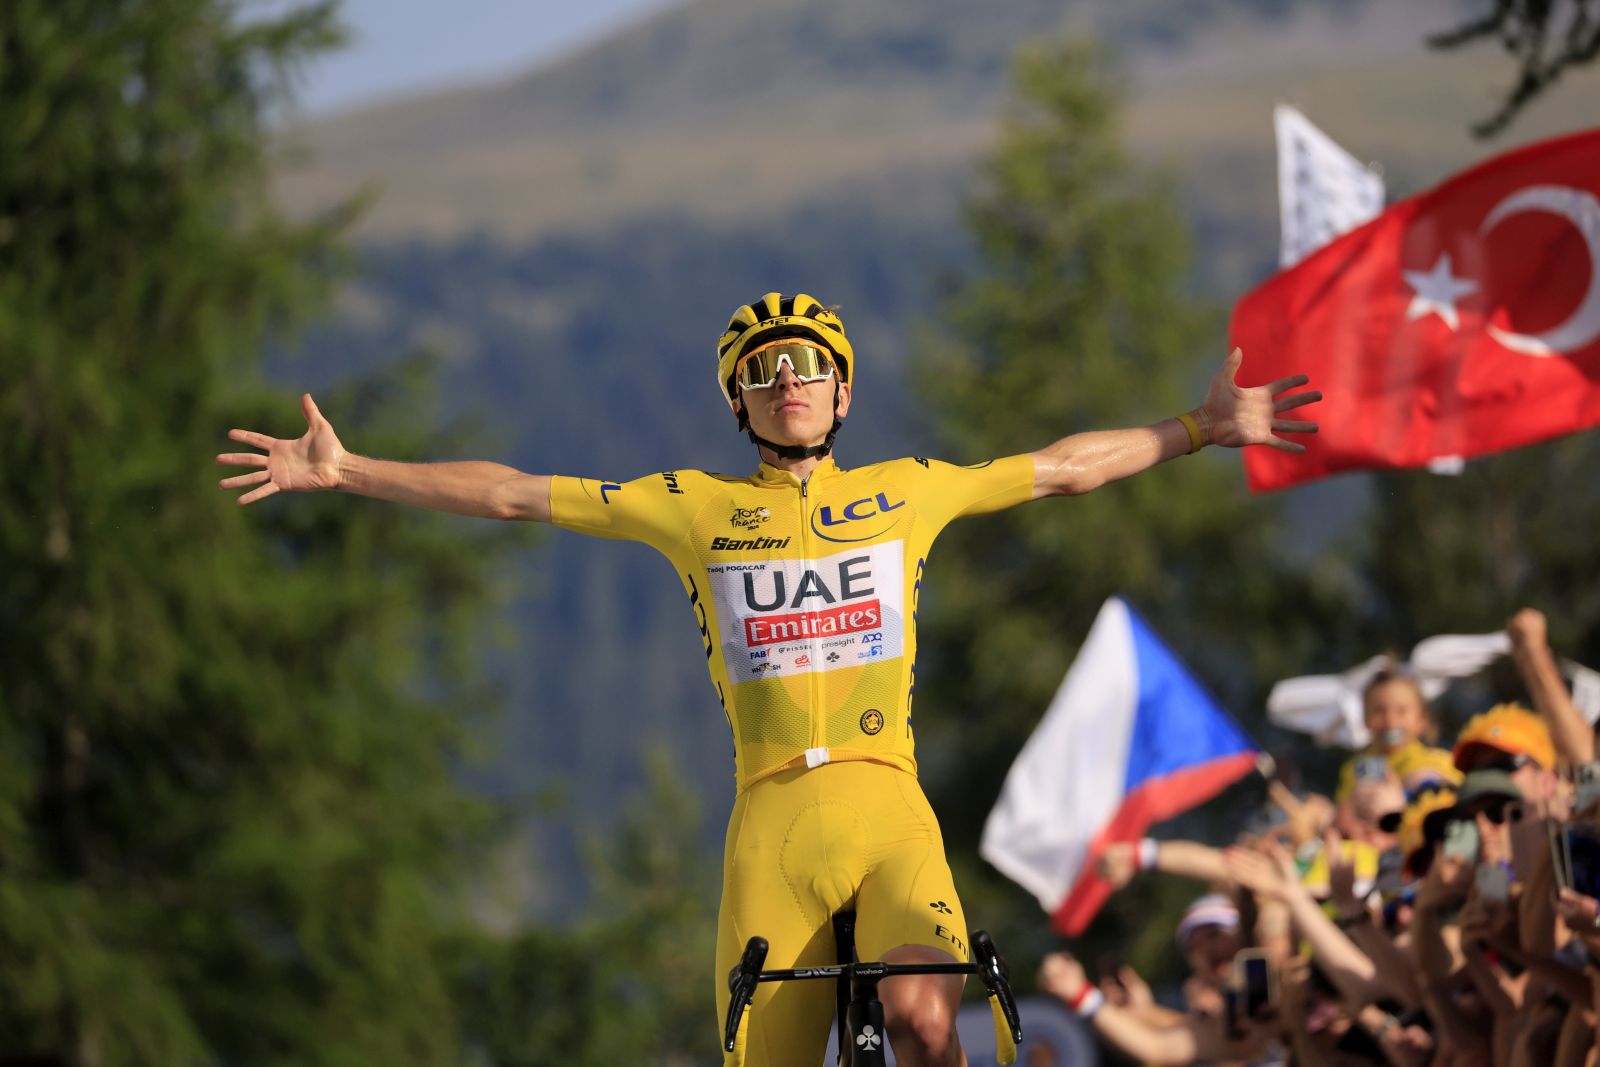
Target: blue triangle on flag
{"type": "Point", "coordinates": [1177, 722]}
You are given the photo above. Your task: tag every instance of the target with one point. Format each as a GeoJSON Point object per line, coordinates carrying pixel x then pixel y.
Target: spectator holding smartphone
{"type": "Point", "coordinates": [1400, 723]}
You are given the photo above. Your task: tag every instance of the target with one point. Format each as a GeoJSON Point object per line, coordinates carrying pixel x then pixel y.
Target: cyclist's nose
{"type": "Point", "coordinates": [786, 378]}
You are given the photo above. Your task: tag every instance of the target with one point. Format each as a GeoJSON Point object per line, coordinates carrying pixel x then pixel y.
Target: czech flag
{"type": "Point", "coordinates": [1131, 739]}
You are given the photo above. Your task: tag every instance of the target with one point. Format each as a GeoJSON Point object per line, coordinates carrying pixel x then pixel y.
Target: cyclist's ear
{"type": "Point", "coordinates": [841, 398]}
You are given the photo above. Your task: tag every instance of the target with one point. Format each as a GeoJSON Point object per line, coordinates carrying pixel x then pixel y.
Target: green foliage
{"type": "Point", "coordinates": [632, 983]}
{"type": "Point", "coordinates": [1077, 319]}
{"type": "Point", "coordinates": [228, 822]}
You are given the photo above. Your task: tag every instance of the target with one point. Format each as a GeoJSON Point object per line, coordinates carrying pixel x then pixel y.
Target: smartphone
{"type": "Point", "coordinates": [1560, 854]}
{"type": "Point", "coordinates": [1586, 779]}
{"type": "Point", "coordinates": [1581, 850]}
{"type": "Point", "coordinates": [1460, 840]}
{"type": "Point", "coordinates": [1371, 768]}
{"type": "Point", "coordinates": [1391, 872]}
{"type": "Point", "coordinates": [1232, 1012]}
{"type": "Point", "coordinates": [1253, 978]}
{"type": "Point", "coordinates": [1493, 882]}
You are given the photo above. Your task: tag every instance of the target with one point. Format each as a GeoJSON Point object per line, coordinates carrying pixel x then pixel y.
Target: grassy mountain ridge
{"type": "Point", "coordinates": [719, 110]}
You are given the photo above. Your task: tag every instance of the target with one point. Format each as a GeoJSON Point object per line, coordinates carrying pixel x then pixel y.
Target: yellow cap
{"type": "Point", "coordinates": [1508, 728]}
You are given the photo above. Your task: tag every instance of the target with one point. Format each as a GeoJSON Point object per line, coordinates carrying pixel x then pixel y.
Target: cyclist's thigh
{"type": "Point", "coordinates": [908, 896]}
{"type": "Point", "coordinates": [778, 884]}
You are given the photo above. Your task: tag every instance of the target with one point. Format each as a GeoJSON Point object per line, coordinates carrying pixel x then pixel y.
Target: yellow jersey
{"type": "Point", "coordinates": [804, 592]}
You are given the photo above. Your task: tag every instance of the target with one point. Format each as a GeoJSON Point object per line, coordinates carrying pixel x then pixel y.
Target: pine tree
{"type": "Point", "coordinates": [229, 825]}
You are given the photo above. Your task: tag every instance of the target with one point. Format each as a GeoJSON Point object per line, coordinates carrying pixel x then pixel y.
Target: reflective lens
{"type": "Point", "coordinates": [809, 364]}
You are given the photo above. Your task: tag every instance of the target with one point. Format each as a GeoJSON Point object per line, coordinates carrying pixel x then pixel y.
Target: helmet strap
{"type": "Point", "coordinates": [796, 451]}
{"type": "Point", "coordinates": [800, 451]}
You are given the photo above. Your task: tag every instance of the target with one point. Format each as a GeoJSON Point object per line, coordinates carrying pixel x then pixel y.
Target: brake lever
{"type": "Point", "coordinates": [996, 977]}
{"type": "Point", "coordinates": [742, 980]}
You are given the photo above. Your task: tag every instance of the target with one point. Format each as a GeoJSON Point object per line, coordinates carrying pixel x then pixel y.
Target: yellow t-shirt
{"type": "Point", "coordinates": [1411, 756]}
{"type": "Point", "coordinates": [805, 593]}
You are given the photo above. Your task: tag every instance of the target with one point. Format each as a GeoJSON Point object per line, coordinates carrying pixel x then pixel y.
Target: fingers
{"type": "Point", "coordinates": [242, 459]}
{"type": "Point", "coordinates": [258, 494]}
{"type": "Point", "coordinates": [308, 408]}
{"type": "Point", "coordinates": [1285, 384]}
{"type": "Point", "coordinates": [239, 481]}
{"type": "Point", "coordinates": [1284, 403]}
{"type": "Point", "coordinates": [250, 437]}
{"type": "Point", "coordinates": [1230, 366]}
{"type": "Point", "coordinates": [1283, 796]}
{"type": "Point", "coordinates": [1292, 426]}
{"type": "Point", "coordinates": [1294, 448]}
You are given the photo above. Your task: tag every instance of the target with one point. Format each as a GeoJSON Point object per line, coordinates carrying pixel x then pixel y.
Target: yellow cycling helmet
{"type": "Point", "coordinates": [775, 316]}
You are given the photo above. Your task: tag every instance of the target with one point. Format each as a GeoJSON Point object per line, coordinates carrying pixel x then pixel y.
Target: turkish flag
{"type": "Point", "coordinates": [1460, 322]}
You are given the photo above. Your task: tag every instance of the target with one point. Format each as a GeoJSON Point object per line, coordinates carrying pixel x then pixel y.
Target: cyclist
{"type": "Point", "coordinates": [803, 579]}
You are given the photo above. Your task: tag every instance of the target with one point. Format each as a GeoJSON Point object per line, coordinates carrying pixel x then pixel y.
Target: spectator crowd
{"type": "Point", "coordinates": [1439, 908]}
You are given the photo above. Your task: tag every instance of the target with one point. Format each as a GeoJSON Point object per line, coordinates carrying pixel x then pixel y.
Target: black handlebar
{"type": "Point", "coordinates": [986, 964]}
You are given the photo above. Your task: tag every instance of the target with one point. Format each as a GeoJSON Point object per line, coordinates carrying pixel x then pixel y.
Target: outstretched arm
{"type": "Point", "coordinates": [1231, 416]}
{"type": "Point", "coordinates": [317, 460]}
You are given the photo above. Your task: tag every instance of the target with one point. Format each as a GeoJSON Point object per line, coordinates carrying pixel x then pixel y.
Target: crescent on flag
{"type": "Point", "coordinates": [1583, 211]}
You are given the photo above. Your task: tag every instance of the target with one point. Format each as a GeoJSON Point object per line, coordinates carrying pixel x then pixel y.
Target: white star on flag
{"type": "Point", "coordinates": [1437, 292]}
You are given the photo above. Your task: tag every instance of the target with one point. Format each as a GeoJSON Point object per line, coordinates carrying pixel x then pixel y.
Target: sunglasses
{"type": "Point", "coordinates": [1505, 761]}
{"type": "Point", "coordinates": [1498, 811]}
{"type": "Point", "coordinates": [808, 363]}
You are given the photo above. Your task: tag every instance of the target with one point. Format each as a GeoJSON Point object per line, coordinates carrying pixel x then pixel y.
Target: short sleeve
{"type": "Point", "coordinates": [643, 510]}
{"type": "Point", "coordinates": [946, 491]}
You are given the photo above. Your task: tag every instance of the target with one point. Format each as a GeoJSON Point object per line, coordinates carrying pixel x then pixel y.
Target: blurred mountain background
{"type": "Point", "coordinates": [568, 243]}
{"type": "Point", "coordinates": [324, 780]}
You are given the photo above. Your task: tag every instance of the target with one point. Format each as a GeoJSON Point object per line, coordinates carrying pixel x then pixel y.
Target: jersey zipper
{"type": "Point", "coordinates": [813, 675]}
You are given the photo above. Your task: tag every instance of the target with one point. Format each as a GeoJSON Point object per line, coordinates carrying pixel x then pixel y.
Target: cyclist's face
{"type": "Point", "coordinates": [792, 412]}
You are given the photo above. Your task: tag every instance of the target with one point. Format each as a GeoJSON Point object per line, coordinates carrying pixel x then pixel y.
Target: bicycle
{"type": "Point", "coordinates": [859, 1012]}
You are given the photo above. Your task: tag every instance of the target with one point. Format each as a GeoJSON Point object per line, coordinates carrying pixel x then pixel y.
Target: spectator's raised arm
{"type": "Point", "coordinates": [1530, 650]}
{"type": "Point", "coordinates": [1121, 860]}
{"type": "Point", "coordinates": [1189, 1040]}
{"type": "Point", "coordinates": [1272, 876]}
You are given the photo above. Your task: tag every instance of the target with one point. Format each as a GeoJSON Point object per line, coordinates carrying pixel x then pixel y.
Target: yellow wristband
{"type": "Point", "coordinates": [1195, 440]}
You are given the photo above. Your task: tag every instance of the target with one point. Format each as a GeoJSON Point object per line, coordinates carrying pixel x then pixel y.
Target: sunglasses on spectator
{"type": "Point", "coordinates": [1500, 809]}
{"type": "Point", "coordinates": [1510, 762]}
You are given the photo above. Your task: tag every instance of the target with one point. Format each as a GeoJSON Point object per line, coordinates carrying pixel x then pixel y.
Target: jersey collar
{"type": "Point", "coordinates": [770, 475]}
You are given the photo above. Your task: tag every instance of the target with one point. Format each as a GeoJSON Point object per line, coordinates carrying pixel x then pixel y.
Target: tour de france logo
{"type": "Point", "coordinates": [750, 518]}
{"type": "Point", "coordinates": [871, 721]}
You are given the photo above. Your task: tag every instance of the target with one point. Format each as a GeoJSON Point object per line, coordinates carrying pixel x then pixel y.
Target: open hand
{"type": "Point", "coordinates": [308, 462]}
{"type": "Point", "coordinates": [1062, 976]}
{"type": "Point", "coordinates": [1238, 416]}
{"type": "Point", "coordinates": [1118, 863]}
{"type": "Point", "coordinates": [1126, 989]}
{"type": "Point", "coordinates": [1268, 876]}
